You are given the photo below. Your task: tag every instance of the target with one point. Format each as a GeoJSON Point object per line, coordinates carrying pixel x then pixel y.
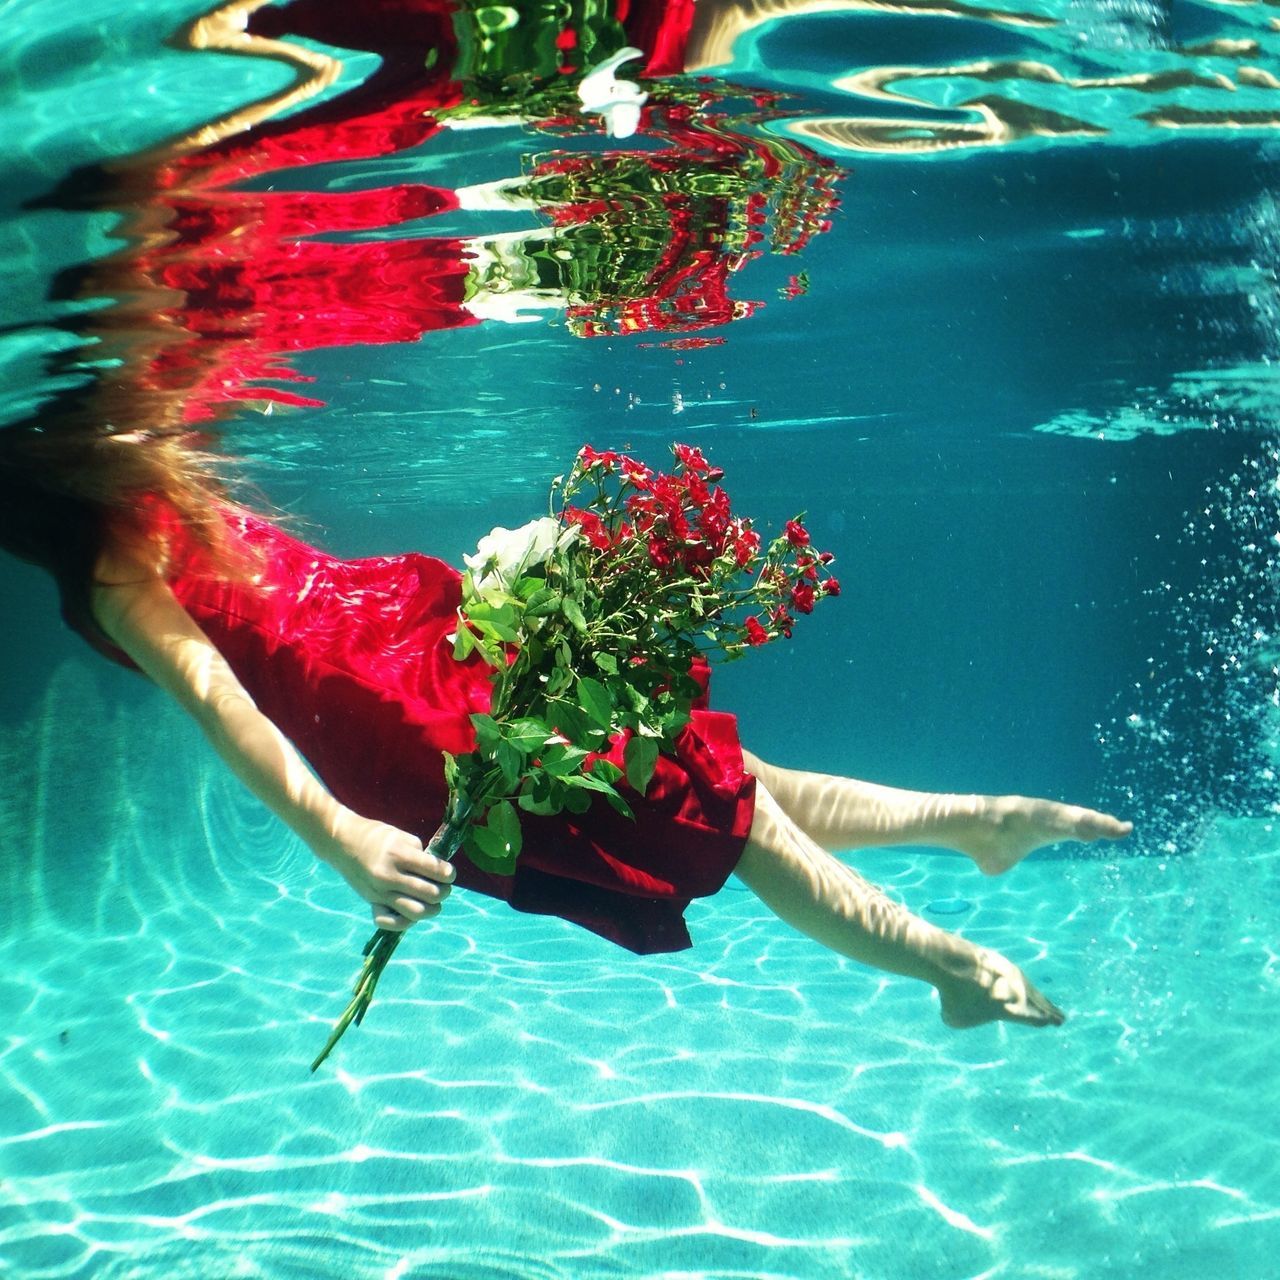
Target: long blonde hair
{"type": "Point", "coordinates": [67, 489]}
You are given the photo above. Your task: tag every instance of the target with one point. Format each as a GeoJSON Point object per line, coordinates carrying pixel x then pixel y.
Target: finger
{"type": "Point", "coordinates": [426, 866]}
{"type": "Point", "coordinates": [414, 909]}
{"type": "Point", "coordinates": [386, 918]}
{"type": "Point", "coordinates": [423, 890]}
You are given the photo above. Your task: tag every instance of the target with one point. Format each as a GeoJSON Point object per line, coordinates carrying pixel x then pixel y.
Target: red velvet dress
{"type": "Point", "coordinates": [352, 660]}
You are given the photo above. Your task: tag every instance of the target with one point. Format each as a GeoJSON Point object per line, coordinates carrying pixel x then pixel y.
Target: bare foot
{"type": "Point", "coordinates": [1004, 829]}
{"type": "Point", "coordinates": [997, 992]}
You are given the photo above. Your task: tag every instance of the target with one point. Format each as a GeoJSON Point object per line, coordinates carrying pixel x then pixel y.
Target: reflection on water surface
{"type": "Point", "coordinates": [339, 210]}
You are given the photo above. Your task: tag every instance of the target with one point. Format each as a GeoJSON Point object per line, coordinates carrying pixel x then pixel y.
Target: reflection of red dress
{"type": "Point", "coordinates": [351, 659]}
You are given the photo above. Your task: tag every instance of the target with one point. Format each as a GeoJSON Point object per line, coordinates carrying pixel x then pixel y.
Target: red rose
{"type": "Point", "coordinates": [659, 552]}
{"type": "Point", "coordinates": [691, 459]}
{"type": "Point", "coordinates": [589, 458]}
{"type": "Point", "coordinates": [756, 634]}
{"type": "Point", "coordinates": [802, 597]}
{"type": "Point", "coordinates": [797, 534]}
{"type": "Point", "coordinates": [713, 521]}
{"type": "Point", "coordinates": [832, 586]}
{"type": "Point", "coordinates": [670, 495]}
{"type": "Point", "coordinates": [593, 528]}
{"type": "Point", "coordinates": [698, 557]}
{"type": "Point", "coordinates": [636, 473]}
{"type": "Point", "coordinates": [746, 542]}
{"type": "Point", "coordinates": [696, 487]}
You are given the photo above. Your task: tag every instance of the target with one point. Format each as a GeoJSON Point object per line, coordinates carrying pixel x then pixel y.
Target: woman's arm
{"type": "Point", "coordinates": [387, 867]}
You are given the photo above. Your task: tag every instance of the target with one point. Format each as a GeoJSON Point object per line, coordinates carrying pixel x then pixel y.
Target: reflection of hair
{"type": "Point", "coordinates": [65, 489]}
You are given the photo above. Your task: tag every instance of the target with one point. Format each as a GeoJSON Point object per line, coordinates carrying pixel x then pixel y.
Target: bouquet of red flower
{"type": "Point", "coordinates": [591, 618]}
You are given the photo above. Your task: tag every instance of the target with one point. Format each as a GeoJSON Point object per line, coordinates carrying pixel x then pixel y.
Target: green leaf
{"type": "Point", "coordinates": [672, 723]}
{"type": "Point", "coordinates": [504, 617]}
{"type": "Point", "coordinates": [579, 786]}
{"type": "Point", "coordinates": [502, 864]}
{"type": "Point", "coordinates": [594, 699]}
{"type": "Point", "coordinates": [490, 649]}
{"type": "Point", "coordinates": [463, 642]}
{"type": "Point", "coordinates": [606, 662]}
{"type": "Point", "coordinates": [510, 760]}
{"type": "Point", "coordinates": [558, 681]}
{"type": "Point", "coordinates": [572, 610]}
{"type": "Point", "coordinates": [531, 651]}
{"type": "Point", "coordinates": [527, 734]}
{"type": "Point", "coordinates": [496, 629]}
{"type": "Point", "coordinates": [586, 782]}
{"type": "Point", "coordinates": [574, 725]}
{"type": "Point", "coordinates": [470, 776]}
{"type": "Point", "coordinates": [687, 687]}
{"type": "Point", "coordinates": [561, 760]}
{"type": "Point", "coordinates": [605, 770]}
{"type": "Point", "coordinates": [542, 603]}
{"type": "Point", "coordinates": [537, 796]}
{"type": "Point", "coordinates": [488, 731]}
{"type": "Point", "coordinates": [619, 804]}
{"type": "Point", "coordinates": [640, 759]}
{"type": "Point", "coordinates": [506, 821]}
{"type": "Point", "coordinates": [625, 694]}
{"type": "Point", "coordinates": [543, 806]}
{"type": "Point", "coordinates": [576, 801]}
{"type": "Point", "coordinates": [450, 771]}
{"type": "Point", "coordinates": [498, 839]}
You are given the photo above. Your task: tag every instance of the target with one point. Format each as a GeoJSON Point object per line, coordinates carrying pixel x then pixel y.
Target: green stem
{"type": "Point", "coordinates": [381, 947]}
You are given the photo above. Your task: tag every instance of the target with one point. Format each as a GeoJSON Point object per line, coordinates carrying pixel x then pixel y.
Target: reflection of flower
{"type": "Point", "coordinates": [234, 283]}
{"type": "Point", "coordinates": [646, 241]}
{"type": "Point", "coordinates": [619, 101]}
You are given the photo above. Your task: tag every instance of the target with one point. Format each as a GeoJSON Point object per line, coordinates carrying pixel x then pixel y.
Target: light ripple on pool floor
{"type": "Point", "coordinates": [525, 1101]}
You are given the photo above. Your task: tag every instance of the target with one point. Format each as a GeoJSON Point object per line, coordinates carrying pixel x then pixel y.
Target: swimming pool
{"type": "Point", "coordinates": [1016, 359]}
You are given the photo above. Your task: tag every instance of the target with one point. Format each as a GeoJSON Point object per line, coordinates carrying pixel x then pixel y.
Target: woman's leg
{"type": "Point", "coordinates": [995, 831]}
{"type": "Point", "coordinates": [831, 903]}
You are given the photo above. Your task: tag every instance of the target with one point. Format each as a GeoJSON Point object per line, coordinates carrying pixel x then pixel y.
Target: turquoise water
{"type": "Point", "coordinates": [1026, 392]}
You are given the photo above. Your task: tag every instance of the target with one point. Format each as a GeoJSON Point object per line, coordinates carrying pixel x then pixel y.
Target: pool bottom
{"type": "Point", "coordinates": [526, 1101]}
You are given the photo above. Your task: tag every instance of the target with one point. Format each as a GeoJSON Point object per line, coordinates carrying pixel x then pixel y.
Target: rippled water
{"type": "Point", "coordinates": [1021, 372]}
{"type": "Point", "coordinates": [525, 1102]}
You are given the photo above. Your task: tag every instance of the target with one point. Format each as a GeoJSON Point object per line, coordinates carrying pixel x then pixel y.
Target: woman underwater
{"type": "Point", "coordinates": [281, 652]}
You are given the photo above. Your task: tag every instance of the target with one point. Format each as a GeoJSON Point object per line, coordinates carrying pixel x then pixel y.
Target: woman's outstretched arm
{"type": "Point", "coordinates": [387, 867]}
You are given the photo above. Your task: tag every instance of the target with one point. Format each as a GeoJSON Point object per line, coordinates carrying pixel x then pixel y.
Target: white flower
{"type": "Point", "coordinates": [504, 555]}
{"type": "Point", "coordinates": [619, 101]}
